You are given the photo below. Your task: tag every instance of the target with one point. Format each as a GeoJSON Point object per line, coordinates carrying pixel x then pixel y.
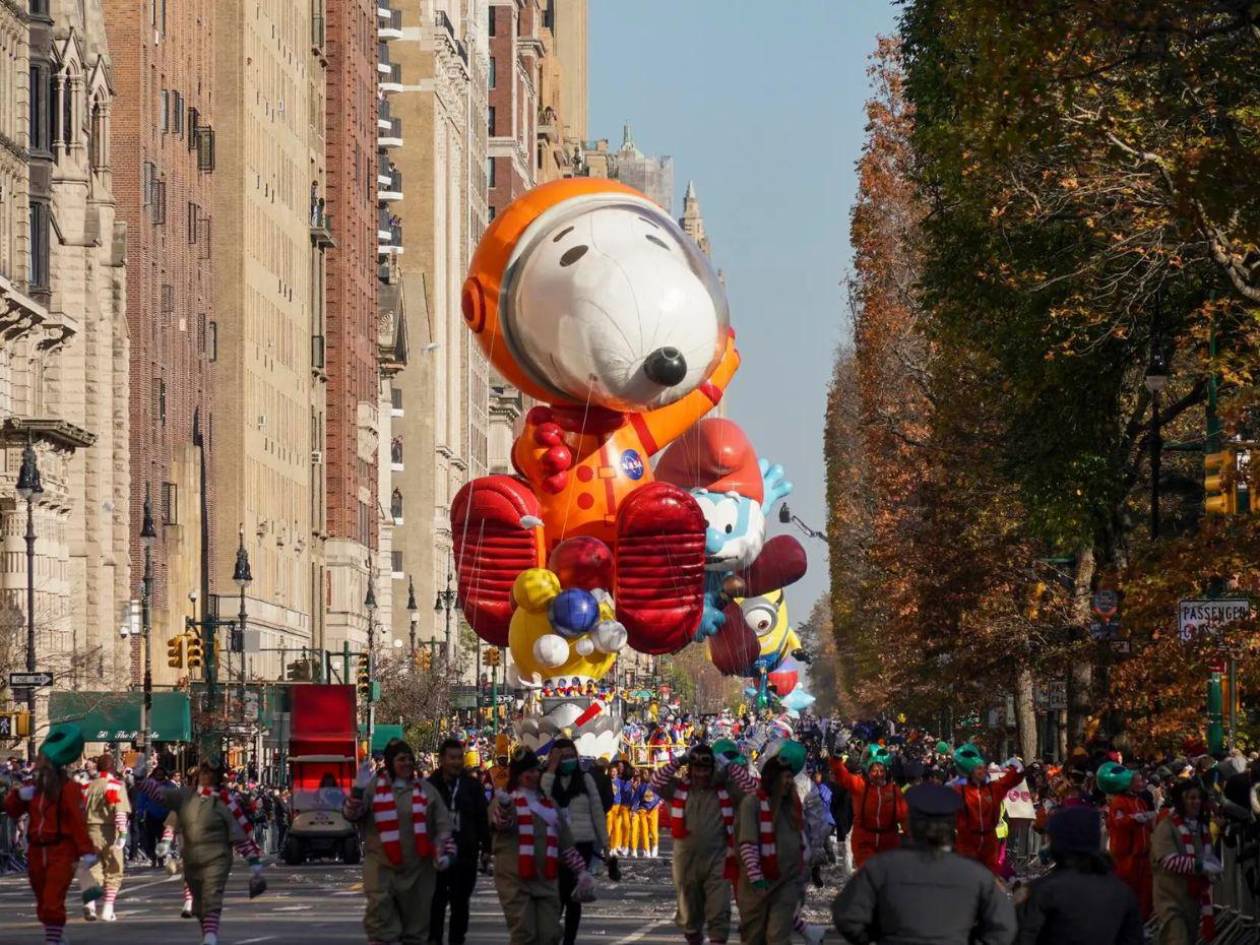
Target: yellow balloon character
{"type": "Point", "coordinates": [543, 654]}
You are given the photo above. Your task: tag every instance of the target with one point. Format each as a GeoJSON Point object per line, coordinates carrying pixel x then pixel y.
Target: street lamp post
{"type": "Point", "coordinates": [413, 618]}
{"type": "Point", "coordinates": [148, 535]}
{"type": "Point", "coordinates": [1156, 381]}
{"type": "Point", "coordinates": [28, 487]}
{"type": "Point", "coordinates": [243, 576]}
{"type": "Point", "coordinates": [445, 601]}
{"type": "Point", "coordinates": [369, 602]}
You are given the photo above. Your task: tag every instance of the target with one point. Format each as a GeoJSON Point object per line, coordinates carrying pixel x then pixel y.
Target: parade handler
{"type": "Point", "coordinates": [702, 806]}
{"type": "Point", "coordinates": [107, 809]}
{"type": "Point", "coordinates": [57, 831]}
{"type": "Point", "coordinates": [530, 840]}
{"type": "Point", "coordinates": [771, 838]}
{"type": "Point", "coordinates": [982, 806]}
{"type": "Point", "coordinates": [407, 842]}
{"type": "Point", "coordinates": [212, 823]}
{"type": "Point", "coordinates": [879, 808]}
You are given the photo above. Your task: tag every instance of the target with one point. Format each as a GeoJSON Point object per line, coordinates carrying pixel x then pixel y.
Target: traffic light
{"type": "Point", "coordinates": [1218, 492]}
{"type": "Point", "coordinates": [175, 651]}
{"type": "Point", "coordinates": [364, 678]}
{"type": "Point", "coordinates": [15, 725]}
{"type": "Point", "coordinates": [425, 659]}
{"type": "Point", "coordinates": [196, 656]}
{"type": "Point", "coordinates": [492, 656]}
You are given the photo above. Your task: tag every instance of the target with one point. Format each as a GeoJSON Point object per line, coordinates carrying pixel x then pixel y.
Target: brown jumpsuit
{"type": "Point", "coordinates": [766, 916]}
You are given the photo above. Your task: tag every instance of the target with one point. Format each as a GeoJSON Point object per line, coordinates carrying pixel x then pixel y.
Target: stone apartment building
{"type": "Point", "coordinates": [435, 85]}
{"type": "Point", "coordinates": [63, 347]}
{"type": "Point", "coordinates": [162, 147]}
{"type": "Point", "coordinates": [269, 269]}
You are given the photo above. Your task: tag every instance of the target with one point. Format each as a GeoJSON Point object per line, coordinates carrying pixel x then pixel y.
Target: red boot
{"type": "Point", "coordinates": [492, 547]}
{"type": "Point", "coordinates": [660, 567]}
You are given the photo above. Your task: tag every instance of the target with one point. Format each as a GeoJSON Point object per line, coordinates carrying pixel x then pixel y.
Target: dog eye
{"type": "Point", "coordinates": [573, 255]}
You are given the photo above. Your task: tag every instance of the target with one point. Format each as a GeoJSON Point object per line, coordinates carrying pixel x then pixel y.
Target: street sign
{"type": "Point", "coordinates": [1105, 603]}
{"type": "Point", "coordinates": [30, 680]}
{"type": "Point", "coordinates": [1197, 616]}
{"type": "Point", "coordinates": [1051, 695]}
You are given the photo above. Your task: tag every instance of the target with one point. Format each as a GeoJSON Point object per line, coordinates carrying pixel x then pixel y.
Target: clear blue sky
{"type": "Point", "coordinates": [761, 104]}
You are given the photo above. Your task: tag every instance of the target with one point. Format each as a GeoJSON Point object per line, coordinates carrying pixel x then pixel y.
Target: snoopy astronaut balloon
{"type": "Point", "coordinates": [590, 299]}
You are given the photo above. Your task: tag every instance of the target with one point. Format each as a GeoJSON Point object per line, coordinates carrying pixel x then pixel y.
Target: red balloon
{"type": "Point", "coordinates": [582, 562]}
{"type": "Point", "coordinates": [784, 681]}
{"type": "Point", "coordinates": [734, 648]}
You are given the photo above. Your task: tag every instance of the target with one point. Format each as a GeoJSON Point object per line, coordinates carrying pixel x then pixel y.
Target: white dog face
{"type": "Point", "coordinates": [606, 301]}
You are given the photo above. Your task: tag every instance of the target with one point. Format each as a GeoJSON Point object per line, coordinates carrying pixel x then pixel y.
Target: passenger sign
{"type": "Point", "coordinates": [1197, 616]}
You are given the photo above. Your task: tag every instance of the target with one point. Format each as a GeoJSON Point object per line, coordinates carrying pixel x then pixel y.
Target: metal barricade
{"type": "Point", "coordinates": [1237, 905]}
{"type": "Point", "coordinates": [12, 854]}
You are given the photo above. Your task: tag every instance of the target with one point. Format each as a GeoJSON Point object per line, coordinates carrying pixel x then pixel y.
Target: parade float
{"type": "Point", "coordinates": [591, 301]}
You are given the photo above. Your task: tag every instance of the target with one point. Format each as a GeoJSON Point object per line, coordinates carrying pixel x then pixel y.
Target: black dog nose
{"type": "Point", "coordinates": [666, 366]}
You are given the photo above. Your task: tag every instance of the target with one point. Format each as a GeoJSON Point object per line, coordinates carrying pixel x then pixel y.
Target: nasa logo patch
{"type": "Point", "coordinates": [632, 464]}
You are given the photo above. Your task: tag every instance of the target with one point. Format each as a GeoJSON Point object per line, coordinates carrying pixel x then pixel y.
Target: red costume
{"type": "Point", "coordinates": [879, 813]}
{"type": "Point", "coordinates": [1130, 844]}
{"type": "Point", "coordinates": [58, 837]}
{"type": "Point", "coordinates": [978, 819]}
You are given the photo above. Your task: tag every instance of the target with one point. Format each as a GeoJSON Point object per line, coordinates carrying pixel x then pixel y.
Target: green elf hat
{"type": "Point", "coordinates": [792, 754]}
{"type": "Point", "coordinates": [1113, 778]}
{"type": "Point", "coordinates": [968, 758]}
{"type": "Point", "coordinates": [943, 747]}
{"type": "Point", "coordinates": [875, 755]}
{"type": "Point", "coordinates": [63, 745]}
{"type": "Point", "coordinates": [725, 748]}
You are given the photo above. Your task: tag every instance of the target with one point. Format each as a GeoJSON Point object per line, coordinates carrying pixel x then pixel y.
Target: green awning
{"type": "Point", "coordinates": [381, 735]}
{"type": "Point", "coordinates": [115, 716]}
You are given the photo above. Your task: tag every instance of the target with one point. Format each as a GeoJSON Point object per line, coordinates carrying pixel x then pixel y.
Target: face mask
{"type": "Point", "coordinates": [568, 766]}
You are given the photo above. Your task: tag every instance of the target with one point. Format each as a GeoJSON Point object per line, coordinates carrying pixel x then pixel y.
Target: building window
{"type": "Point", "coordinates": [396, 562]}
{"type": "Point", "coordinates": [212, 341]}
{"type": "Point", "coordinates": [164, 109]}
{"type": "Point", "coordinates": [490, 172]}
{"type": "Point", "coordinates": [39, 245]}
{"type": "Point", "coordinates": [490, 27]}
{"type": "Point", "coordinates": [490, 112]}
{"type": "Point", "coordinates": [396, 399]}
{"type": "Point", "coordinates": [161, 402]}
{"type": "Point", "coordinates": [40, 125]}
{"type": "Point", "coordinates": [396, 506]}
{"type": "Point", "coordinates": [170, 503]}
{"type": "Point", "coordinates": [490, 79]}
{"type": "Point", "coordinates": [490, 211]}
{"type": "Point", "coordinates": [98, 152]}
{"type": "Point", "coordinates": [193, 211]}
{"type": "Point", "coordinates": [396, 451]}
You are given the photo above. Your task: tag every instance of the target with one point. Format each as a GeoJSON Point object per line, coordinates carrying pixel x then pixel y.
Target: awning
{"type": "Point", "coordinates": [115, 716]}
{"type": "Point", "coordinates": [381, 735]}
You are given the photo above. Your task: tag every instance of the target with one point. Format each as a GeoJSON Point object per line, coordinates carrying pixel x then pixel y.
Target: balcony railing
{"type": "Point", "coordinates": [389, 27]}
{"type": "Point", "coordinates": [383, 115]}
{"type": "Point", "coordinates": [390, 76]}
{"type": "Point", "coordinates": [321, 224]}
{"type": "Point", "coordinates": [391, 138]}
{"type": "Point", "coordinates": [394, 189]}
{"type": "Point", "coordinates": [383, 62]}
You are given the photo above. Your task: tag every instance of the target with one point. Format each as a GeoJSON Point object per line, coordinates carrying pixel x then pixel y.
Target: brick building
{"type": "Point", "coordinates": [353, 432]}
{"type": "Point", "coordinates": [162, 157]}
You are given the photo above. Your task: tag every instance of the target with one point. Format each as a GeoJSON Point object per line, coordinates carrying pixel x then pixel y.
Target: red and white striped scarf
{"type": "Point", "coordinates": [233, 806]}
{"type": "Point", "coordinates": [1199, 886]}
{"type": "Point", "coordinates": [385, 814]}
{"type": "Point", "coordinates": [678, 822]}
{"type": "Point", "coordinates": [525, 863]}
{"type": "Point", "coordinates": [767, 846]}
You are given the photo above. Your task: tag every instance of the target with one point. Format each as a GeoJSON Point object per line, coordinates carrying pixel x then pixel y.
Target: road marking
{"type": "Point", "coordinates": [643, 932]}
{"type": "Point", "coordinates": [261, 938]}
{"type": "Point", "coordinates": [133, 888]}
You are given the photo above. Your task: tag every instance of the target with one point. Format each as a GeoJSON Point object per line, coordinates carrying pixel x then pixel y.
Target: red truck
{"type": "Point", "coordinates": [322, 745]}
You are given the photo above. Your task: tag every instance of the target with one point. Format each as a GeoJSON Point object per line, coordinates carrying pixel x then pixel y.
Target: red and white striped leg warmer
{"type": "Point", "coordinates": [210, 924]}
{"type": "Point", "coordinates": [111, 893]}
{"type": "Point", "coordinates": [52, 934]}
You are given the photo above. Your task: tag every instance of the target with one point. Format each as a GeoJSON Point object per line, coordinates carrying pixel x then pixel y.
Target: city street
{"type": "Point", "coordinates": [323, 903]}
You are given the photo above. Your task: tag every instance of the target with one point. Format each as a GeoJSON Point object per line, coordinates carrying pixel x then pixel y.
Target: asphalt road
{"type": "Point", "coordinates": [320, 904]}
{"type": "Point", "coordinates": [316, 904]}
